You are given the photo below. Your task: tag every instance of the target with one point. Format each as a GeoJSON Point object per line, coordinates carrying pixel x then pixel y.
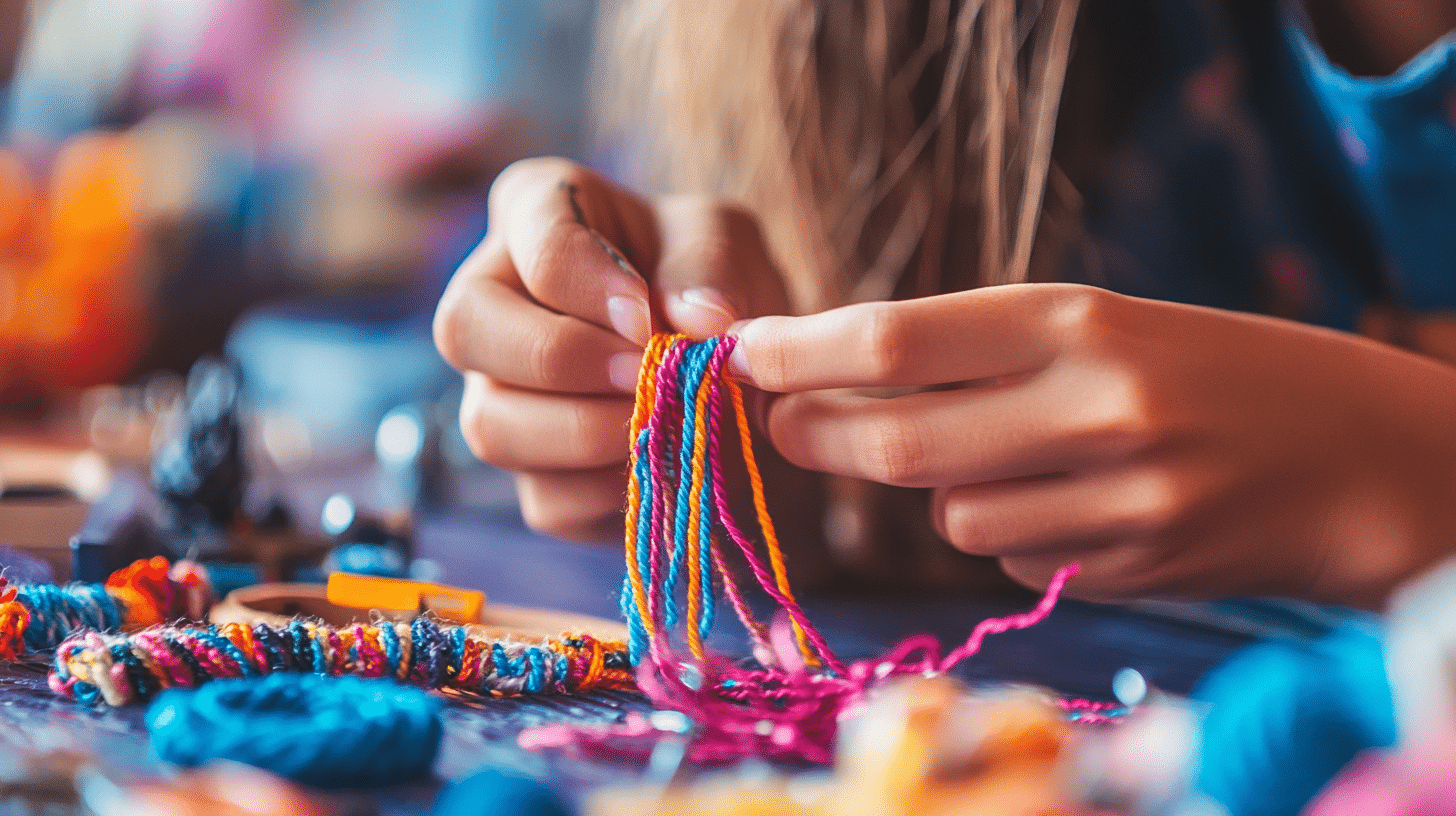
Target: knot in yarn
{"type": "Point", "coordinates": [330, 732]}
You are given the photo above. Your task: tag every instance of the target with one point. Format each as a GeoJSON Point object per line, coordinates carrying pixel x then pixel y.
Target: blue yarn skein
{"type": "Point", "coordinates": [1287, 715]}
{"type": "Point", "coordinates": [495, 793]}
{"type": "Point", "coordinates": [329, 732]}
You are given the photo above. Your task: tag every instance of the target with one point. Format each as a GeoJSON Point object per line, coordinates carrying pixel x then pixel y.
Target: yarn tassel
{"type": "Point", "coordinates": [680, 530]}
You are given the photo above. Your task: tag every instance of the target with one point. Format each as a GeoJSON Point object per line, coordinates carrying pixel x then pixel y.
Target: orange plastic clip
{"type": "Point", "coordinates": [371, 592]}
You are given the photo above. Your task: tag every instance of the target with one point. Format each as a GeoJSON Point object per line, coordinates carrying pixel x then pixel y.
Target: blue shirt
{"type": "Point", "coordinates": [1256, 175]}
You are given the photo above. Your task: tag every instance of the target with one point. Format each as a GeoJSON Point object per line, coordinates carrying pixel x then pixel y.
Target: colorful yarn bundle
{"type": "Point", "coordinates": [332, 732]}
{"type": "Point", "coordinates": [97, 668]}
{"type": "Point", "coordinates": [37, 617]}
{"type": "Point", "coordinates": [680, 532]}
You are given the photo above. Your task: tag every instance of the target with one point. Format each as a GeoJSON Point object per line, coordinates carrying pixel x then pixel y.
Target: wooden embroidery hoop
{"type": "Point", "coordinates": [278, 604]}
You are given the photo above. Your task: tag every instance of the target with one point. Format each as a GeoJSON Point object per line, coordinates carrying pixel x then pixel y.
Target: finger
{"type": "Point", "coordinates": [573, 239]}
{"type": "Point", "coordinates": [1058, 514]}
{"type": "Point", "coordinates": [1049, 424]}
{"type": "Point", "coordinates": [532, 430]}
{"type": "Point", "coordinates": [486, 326]}
{"type": "Point", "coordinates": [997, 331]}
{"type": "Point", "coordinates": [579, 505]}
{"type": "Point", "coordinates": [1127, 572]}
{"type": "Point", "coordinates": [715, 266]}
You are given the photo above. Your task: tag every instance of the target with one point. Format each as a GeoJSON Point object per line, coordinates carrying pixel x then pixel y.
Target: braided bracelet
{"type": "Point", "coordinates": [37, 617]}
{"type": "Point", "coordinates": [97, 668]}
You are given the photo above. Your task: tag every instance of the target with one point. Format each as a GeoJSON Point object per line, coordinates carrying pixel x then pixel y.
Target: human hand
{"type": "Point", "coordinates": [1173, 450]}
{"type": "Point", "coordinates": [548, 317]}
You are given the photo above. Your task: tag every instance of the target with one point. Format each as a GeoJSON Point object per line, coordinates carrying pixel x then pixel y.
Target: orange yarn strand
{"type": "Point", "coordinates": [760, 507]}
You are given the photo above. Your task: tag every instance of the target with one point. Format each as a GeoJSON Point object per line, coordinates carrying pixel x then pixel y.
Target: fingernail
{"type": "Point", "coordinates": [622, 371]}
{"type": "Point", "coordinates": [630, 318]}
{"type": "Point", "coordinates": [713, 312]}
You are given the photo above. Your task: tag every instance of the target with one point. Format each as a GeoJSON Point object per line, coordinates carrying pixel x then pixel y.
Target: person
{"type": "Point", "coordinates": [1079, 284]}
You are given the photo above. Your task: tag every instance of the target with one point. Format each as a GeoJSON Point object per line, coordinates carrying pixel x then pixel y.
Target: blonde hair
{"type": "Point", "coordinates": [891, 148]}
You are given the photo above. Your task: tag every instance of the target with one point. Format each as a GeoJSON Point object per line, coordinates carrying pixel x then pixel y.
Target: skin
{"type": "Point", "coordinates": [1172, 450]}
{"type": "Point", "coordinates": [548, 326]}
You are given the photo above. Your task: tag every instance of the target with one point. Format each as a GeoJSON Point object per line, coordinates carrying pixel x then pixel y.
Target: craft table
{"type": "Point", "coordinates": [1077, 651]}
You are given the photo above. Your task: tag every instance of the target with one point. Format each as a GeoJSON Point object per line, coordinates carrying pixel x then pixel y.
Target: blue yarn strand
{"type": "Point", "coordinates": [637, 628]}
{"type": "Point", "coordinates": [690, 377]}
{"type": "Point", "coordinates": [536, 661]}
{"type": "Point", "coordinates": [59, 611]}
{"type": "Point", "coordinates": [227, 647]}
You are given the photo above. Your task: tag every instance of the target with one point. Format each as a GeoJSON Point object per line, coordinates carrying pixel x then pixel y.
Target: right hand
{"type": "Point", "coordinates": [548, 328]}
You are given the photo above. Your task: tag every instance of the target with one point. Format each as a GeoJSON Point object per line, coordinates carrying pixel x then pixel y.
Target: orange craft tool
{"type": "Point", "coordinates": [371, 592]}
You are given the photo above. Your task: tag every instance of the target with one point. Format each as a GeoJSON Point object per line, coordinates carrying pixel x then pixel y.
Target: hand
{"type": "Point", "coordinates": [548, 318]}
{"type": "Point", "coordinates": [1173, 450]}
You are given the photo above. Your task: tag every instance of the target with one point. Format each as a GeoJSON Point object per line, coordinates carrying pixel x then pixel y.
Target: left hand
{"type": "Point", "coordinates": [1173, 450]}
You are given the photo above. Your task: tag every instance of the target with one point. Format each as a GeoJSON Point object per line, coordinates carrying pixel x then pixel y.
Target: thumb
{"type": "Point", "coordinates": [715, 266]}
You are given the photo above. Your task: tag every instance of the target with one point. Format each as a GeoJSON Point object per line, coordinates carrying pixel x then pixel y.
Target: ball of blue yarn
{"type": "Point", "coordinates": [1287, 715]}
{"type": "Point", "coordinates": [329, 732]}
{"type": "Point", "coordinates": [491, 792]}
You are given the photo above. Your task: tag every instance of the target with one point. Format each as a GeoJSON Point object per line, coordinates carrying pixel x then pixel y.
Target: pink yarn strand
{"type": "Point", "coordinates": [1022, 621]}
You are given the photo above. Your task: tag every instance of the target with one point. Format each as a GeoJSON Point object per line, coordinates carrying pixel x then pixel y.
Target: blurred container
{"type": "Point", "coordinates": [335, 368]}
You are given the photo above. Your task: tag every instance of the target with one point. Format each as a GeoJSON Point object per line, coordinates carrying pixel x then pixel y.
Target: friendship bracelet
{"type": "Point", "coordinates": [37, 617]}
{"type": "Point", "coordinates": [112, 669]}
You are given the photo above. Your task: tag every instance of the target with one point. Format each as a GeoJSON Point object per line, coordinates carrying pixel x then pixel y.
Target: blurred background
{"type": "Point", "coordinates": [283, 185]}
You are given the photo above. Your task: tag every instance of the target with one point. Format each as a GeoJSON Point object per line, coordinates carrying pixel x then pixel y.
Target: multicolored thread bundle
{"type": "Point", "coordinates": [680, 533]}
{"type": "Point", "coordinates": [677, 504]}
{"type": "Point", "coordinates": [37, 617]}
{"type": "Point", "coordinates": [96, 668]}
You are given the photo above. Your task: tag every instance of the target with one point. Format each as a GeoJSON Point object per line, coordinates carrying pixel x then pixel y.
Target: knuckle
{"type": "Point", "coordinates": [1155, 502]}
{"type": "Point", "coordinates": [1079, 312]}
{"type": "Point", "coordinates": [532, 170]}
{"type": "Point", "coordinates": [772, 363]}
{"type": "Point", "coordinates": [447, 328]}
{"type": "Point", "coordinates": [545, 358]}
{"type": "Point", "coordinates": [894, 453]}
{"type": "Point", "coordinates": [968, 530]}
{"type": "Point", "coordinates": [549, 268]}
{"type": "Point", "coordinates": [484, 434]}
{"type": "Point", "coordinates": [1124, 419]}
{"type": "Point", "coordinates": [886, 340]}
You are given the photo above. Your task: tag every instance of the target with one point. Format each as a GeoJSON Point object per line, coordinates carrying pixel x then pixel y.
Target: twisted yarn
{"type": "Point", "coordinates": [37, 617]}
{"type": "Point", "coordinates": [680, 534]}
{"type": "Point", "coordinates": [116, 670]}
{"type": "Point", "coordinates": [322, 731]}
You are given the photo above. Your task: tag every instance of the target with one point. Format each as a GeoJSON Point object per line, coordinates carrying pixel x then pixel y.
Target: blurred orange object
{"type": "Point", "coordinates": [223, 789]}
{"type": "Point", "coordinates": [73, 305]}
